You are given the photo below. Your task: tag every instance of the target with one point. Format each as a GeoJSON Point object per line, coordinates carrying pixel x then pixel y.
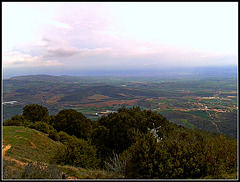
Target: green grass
{"type": "Point", "coordinates": [202, 114]}
{"type": "Point", "coordinates": [28, 144]}
{"type": "Point", "coordinates": [186, 122]}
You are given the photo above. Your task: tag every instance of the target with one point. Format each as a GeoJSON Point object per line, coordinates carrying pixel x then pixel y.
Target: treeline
{"type": "Point", "coordinates": [133, 144]}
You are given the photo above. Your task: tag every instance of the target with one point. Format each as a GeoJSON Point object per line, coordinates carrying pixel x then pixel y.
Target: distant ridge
{"type": "Point", "coordinates": [152, 72]}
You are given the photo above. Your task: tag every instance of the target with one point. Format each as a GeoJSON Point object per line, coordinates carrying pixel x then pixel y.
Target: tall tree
{"type": "Point", "coordinates": [35, 112]}
{"type": "Point", "coordinates": [73, 123]}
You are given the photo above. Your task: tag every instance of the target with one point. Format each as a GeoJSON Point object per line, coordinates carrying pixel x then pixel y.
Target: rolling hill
{"type": "Point", "coordinates": [25, 148]}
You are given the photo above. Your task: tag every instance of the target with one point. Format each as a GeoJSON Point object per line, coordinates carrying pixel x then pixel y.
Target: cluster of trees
{"type": "Point", "coordinates": [125, 142]}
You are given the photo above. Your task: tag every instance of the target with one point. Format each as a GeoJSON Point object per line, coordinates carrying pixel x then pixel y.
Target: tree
{"type": "Point", "coordinates": [115, 131]}
{"type": "Point", "coordinates": [73, 123]}
{"type": "Point", "coordinates": [17, 120]}
{"type": "Point", "coordinates": [35, 112]}
{"type": "Point", "coordinates": [77, 152]}
{"type": "Point", "coordinates": [42, 126]}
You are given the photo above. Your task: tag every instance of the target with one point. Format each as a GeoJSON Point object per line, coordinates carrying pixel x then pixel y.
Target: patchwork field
{"type": "Point", "coordinates": [204, 102]}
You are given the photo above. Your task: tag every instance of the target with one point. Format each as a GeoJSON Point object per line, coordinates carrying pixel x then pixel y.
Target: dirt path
{"type": "Point", "coordinates": [20, 162]}
{"type": "Point", "coordinates": [6, 149]}
{"type": "Point", "coordinates": [10, 158]}
{"type": "Point", "coordinates": [15, 160]}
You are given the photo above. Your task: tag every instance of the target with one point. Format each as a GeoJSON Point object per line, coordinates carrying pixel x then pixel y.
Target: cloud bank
{"type": "Point", "coordinates": [119, 35]}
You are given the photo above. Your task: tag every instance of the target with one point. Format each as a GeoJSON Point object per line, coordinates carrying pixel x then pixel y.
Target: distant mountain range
{"type": "Point", "coordinates": [168, 72]}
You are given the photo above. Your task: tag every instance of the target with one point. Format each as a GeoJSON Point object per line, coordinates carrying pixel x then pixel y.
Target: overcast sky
{"type": "Point", "coordinates": [117, 35]}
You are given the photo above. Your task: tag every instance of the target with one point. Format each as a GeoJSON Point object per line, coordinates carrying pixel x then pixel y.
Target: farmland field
{"type": "Point", "coordinates": [207, 102]}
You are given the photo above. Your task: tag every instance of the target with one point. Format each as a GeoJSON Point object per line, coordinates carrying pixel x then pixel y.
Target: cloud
{"type": "Point", "coordinates": [61, 52]}
{"type": "Point", "coordinates": [116, 35]}
{"type": "Point", "coordinates": [59, 24]}
{"type": "Point", "coordinates": [71, 51]}
{"type": "Point", "coordinates": [46, 40]}
{"type": "Point", "coordinates": [19, 59]}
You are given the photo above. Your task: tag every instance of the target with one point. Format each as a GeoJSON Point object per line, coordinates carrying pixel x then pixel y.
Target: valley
{"type": "Point", "coordinates": [206, 102]}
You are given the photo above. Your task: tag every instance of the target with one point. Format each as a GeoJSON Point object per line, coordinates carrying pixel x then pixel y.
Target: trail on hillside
{"type": "Point", "coordinates": [6, 149]}
{"type": "Point", "coordinates": [10, 158]}
{"type": "Point", "coordinates": [15, 160]}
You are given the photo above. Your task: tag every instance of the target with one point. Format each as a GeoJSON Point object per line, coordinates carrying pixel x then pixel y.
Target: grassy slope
{"type": "Point", "coordinates": [29, 145]}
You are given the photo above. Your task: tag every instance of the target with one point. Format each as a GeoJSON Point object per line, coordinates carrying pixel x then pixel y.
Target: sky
{"type": "Point", "coordinates": [60, 37]}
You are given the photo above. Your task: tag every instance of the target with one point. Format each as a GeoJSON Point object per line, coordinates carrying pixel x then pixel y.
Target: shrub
{"type": "Point", "coordinates": [117, 164]}
{"type": "Point", "coordinates": [11, 122]}
{"type": "Point", "coordinates": [17, 120]}
{"type": "Point", "coordinates": [77, 152]}
{"type": "Point", "coordinates": [191, 155]}
{"type": "Point", "coordinates": [53, 135]}
{"type": "Point", "coordinates": [42, 126]}
{"type": "Point", "coordinates": [40, 171]}
{"type": "Point", "coordinates": [140, 157]}
{"type": "Point", "coordinates": [64, 137]}
{"type": "Point", "coordinates": [9, 172]}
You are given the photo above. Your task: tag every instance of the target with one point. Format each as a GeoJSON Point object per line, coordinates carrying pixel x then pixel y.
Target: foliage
{"type": "Point", "coordinates": [140, 156]}
{"type": "Point", "coordinates": [131, 143]}
{"type": "Point", "coordinates": [188, 155]}
{"type": "Point", "coordinates": [53, 135]}
{"type": "Point", "coordinates": [73, 123]}
{"type": "Point", "coordinates": [117, 164]}
{"type": "Point", "coordinates": [42, 126]}
{"type": "Point", "coordinates": [41, 171]}
{"type": "Point", "coordinates": [64, 137]}
{"type": "Point", "coordinates": [17, 120]}
{"type": "Point", "coordinates": [115, 131]}
{"type": "Point", "coordinates": [11, 122]}
{"type": "Point", "coordinates": [76, 152]}
{"type": "Point", "coordinates": [9, 170]}
{"type": "Point", "coordinates": [35, 112]}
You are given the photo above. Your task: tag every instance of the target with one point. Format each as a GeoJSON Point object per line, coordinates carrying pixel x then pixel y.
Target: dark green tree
{"type": "Point", "coordinates": [77, 152]}
{"type": "Point", "coordinates": [114, 132]}
{"type": "Point", "coordinates": [35, 112]}
{"type": "Point", "coordinates": [17, 120]}
{"type": "Point", "coordinates": [73, 123]}
{"type": "Point", "coordinates": [42, 126]}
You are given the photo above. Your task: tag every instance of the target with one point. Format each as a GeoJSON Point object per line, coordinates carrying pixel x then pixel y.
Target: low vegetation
{"type": "Point", "coordinates": [130, 143]}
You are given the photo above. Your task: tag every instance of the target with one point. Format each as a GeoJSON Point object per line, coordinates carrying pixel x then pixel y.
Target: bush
{"type": "Point", "coordinates": [40, 171]}
{"type": "Point", "coordinates": [117, 164]}
{"type": "Point", "coordinates": [9, 170]}
{"type": "Point", "coordinates": [77, 152]}
{"type": "Point", "coordinates": [53, 135]}
{"type": "Point", "coordinates": [42, 126]}
{"type": "Point", "coordinates": [187, 155]}
{"type": "Point", "coordinates": [17, 120]}
{"type": "Point", "coordinates": [140, 157]}
{"type": "Point", "coordinates": [11, 122]}
{"type": "Point", "coordinates": [64, 137]}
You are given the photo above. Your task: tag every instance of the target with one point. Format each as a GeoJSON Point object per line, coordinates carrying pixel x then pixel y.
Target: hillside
{"type": "Point", "coordinates": [129, 143]}
{"type": "Point", "coordinates": [26, 144]}
{"type": "Point", "coordinates": [25, 148]}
